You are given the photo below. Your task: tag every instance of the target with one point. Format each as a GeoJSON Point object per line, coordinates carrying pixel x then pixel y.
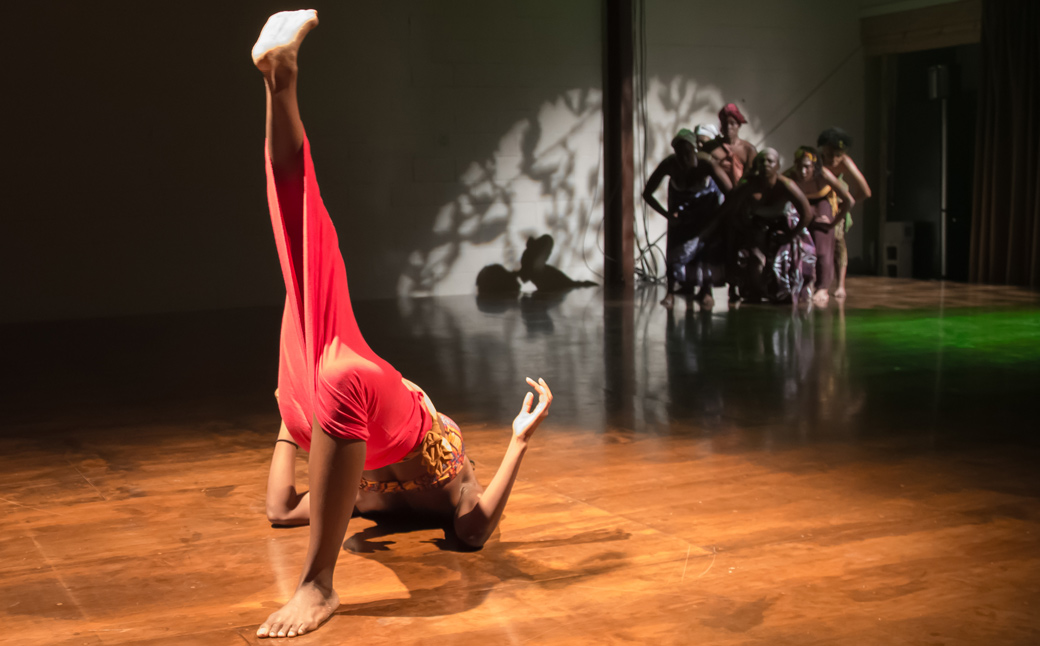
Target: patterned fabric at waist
{"type": "Point", "coordinates": [443, 456]}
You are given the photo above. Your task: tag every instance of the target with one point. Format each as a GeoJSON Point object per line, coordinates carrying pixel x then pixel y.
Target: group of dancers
{"type": "Point", "coordinates": [734, 218]}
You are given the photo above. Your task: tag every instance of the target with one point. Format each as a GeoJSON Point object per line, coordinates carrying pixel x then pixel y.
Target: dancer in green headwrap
{"type": "Point", "coordinates": [696, 186]}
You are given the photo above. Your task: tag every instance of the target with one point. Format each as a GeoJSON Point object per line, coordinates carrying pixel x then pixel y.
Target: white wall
{"type": "Point", "coordinates": [769, 58]}
{"type": "Point", "coordinates": [477, 125]}
{"type": "Point", "coordinates": [444, 134]}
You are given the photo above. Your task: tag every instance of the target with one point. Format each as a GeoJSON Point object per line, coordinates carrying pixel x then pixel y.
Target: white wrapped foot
{"type": "Point", "coordinates": [281, 37]}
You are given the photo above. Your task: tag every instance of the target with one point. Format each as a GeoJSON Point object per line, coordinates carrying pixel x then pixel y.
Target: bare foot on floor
{"type": "Point", "coordinates": [707, 302]}
{"type": "Point", "coordinates": [280, 38]}
{"type": "Point", "coordinates": [839, 293]}
{"type": "Point", "coordinates": [668, 301]}
{"type": "Point", "coordinates": [820, 298]}
{"type": "Point", "coordinates": [309, 608]}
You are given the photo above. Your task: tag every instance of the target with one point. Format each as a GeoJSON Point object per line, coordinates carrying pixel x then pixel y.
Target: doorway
{"type": "Point", "coordinates": [924, 81]}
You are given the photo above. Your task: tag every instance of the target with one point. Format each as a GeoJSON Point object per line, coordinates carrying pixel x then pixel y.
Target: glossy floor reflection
{"type": "Point", "coordinates": [861, 474]}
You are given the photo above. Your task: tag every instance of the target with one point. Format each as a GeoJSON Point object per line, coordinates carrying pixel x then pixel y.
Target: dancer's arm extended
{"type": "Point", "coordinates": [480, 510]}
{"type": "Point", "coordinates": [285, 505]}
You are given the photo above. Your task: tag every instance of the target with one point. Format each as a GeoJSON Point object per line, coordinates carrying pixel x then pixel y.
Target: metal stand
{"type": "Point", "coordinates": [942, 199]}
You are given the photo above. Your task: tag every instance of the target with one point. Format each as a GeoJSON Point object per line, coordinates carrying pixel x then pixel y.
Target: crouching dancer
{"type": "Point", "coordinates": [375, 439]}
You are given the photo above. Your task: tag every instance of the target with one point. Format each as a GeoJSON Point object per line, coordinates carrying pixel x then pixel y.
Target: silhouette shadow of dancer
{"type": "Point", "coordinates": [534, 268]}
{"type": "Point", "coordinates": [497, 281]}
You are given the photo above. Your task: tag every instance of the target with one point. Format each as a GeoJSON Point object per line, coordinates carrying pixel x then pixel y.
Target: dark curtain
{"type": "Point", "coordinates": [1005, 234]}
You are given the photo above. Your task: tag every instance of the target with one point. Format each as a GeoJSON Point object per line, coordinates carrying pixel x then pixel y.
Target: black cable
{"type": "Point", "coordinates": [810, 94]}
{"type": "Point", "coordinates": [647, 270]}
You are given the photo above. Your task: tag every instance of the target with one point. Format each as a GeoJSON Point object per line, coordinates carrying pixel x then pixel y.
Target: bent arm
{"type": "Point", "coordinates": [719, 175]}
{"type": "Point", "coordinates": [751, 153]}
{"type": "Point", "coordinates": [801, 203]}
{"type": "Point", "coordinates": [847, 201]}
{"type": "Point", "coordinates": [653, 184]}
{"type": "Point", "coordinates": [858, 183]}
{"type": "Point", "coordinates": [285, 505]}
{"type": "Point", "coordinates": [479, 509]}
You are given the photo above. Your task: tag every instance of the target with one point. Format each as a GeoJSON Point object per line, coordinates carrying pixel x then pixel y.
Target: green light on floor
{"type": "Point", "coordinates": [1011, 336]}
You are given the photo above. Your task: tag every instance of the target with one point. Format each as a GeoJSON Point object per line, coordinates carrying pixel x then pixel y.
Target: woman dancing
{"type": "Point", "coordinates": [696, 185]}
{"type": "Point", "coordinates": [365, 426]}
{"type": "Point", "coordinates": [834, 144]}
{"type": "Point", "coordinates": [831, 202]}
{"type": "Point", "coordinates": [733, 154]}
{"type": "Point", "coordinates": [775, 256]}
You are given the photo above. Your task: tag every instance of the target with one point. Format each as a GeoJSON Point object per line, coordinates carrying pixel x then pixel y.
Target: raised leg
{"type": "Point", "coordinates": [335, 464]}
{"type": "Point", "coordinates": [275, 55]}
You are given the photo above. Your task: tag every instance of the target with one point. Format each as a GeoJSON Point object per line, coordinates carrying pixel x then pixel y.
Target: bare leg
{"type": "Point", "coordinates": [335, 471]}
{"type": "Point", "coordinates": [707, 283]}
{"type": "Point", "coordinates": [669, 297]}
{"type": "Point", "coordinates": [707, 302]}
{"type": "Point", "coordinates": [841, 259]}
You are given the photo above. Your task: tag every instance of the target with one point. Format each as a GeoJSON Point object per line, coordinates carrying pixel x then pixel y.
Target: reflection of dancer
{"type": "Point", "coordinates": [695, 190]}
{"type": "Point", "coordinates": [831, 202]}
{"type": "Point", "coordinates": [833, 144]}
{"type": "Point", "coordinates": [364, 425]}
{"type": "Point", "coordinates": [775, 253]}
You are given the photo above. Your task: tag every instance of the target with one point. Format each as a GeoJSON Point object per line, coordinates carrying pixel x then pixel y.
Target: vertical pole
{"type": "Point", "coordinates": [618, 213]}
{"type": "Point", "coordinates": [885, 154]}
{"type": "Point", "coordinates": [618, 171]}
{"type": "Point", "coordinates": [942, 199]}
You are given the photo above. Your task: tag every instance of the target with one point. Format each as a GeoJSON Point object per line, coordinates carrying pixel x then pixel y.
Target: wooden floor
{"type": "Point", "coordinates": [856, 475]}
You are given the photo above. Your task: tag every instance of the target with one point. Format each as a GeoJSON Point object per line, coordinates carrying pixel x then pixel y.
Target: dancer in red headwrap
{"type": "Point", "coordinates": [375, 439]}
{"type": "Point", "coordinates": [731, 152]}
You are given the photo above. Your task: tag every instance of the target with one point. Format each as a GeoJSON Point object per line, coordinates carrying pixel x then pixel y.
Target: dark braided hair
{"type": "Point", "coordinates": [835, 138]}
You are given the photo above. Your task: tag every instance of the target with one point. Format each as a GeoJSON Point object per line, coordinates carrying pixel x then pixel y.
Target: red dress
{"type": "Point", "coordinates": [326, 372]}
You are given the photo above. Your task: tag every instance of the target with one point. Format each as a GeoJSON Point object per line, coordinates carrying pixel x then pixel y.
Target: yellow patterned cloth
{"type": "Point", "coordinates": [443, 454]}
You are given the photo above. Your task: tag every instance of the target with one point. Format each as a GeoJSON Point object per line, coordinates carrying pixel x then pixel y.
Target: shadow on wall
{"type": "Point", "coordinates": [534, 268]}
{"type": "Point", "coordinates": [554, 184]}
{"type": "Point", "coordinates": [498, 287]}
